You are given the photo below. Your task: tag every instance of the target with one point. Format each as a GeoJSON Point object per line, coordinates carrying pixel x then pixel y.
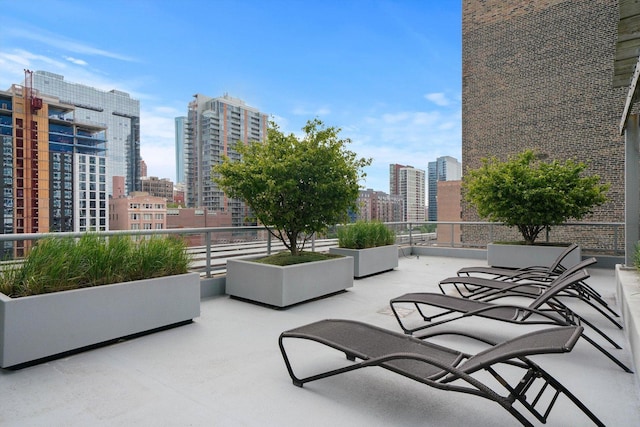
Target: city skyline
{"type": "Point", "coordinates": [388, 73]}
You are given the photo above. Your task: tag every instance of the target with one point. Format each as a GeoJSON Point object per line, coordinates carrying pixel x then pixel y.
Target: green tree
{"type": "Point", "coordinates": [531, 194]}
{"type": "Point", "coordinates": [298, 186]}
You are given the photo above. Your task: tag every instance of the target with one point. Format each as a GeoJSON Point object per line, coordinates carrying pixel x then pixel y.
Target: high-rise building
{"type": "Point", "coordinates": [409, 183]}
{"type": "Point", "coordinates": [214, 126]}
{"type": "Point", "coordinates": [54, 177]}
{"type": "Point", "coordinates": [445, 168]}
{"type": "Point", "coordinates": [181, 136]}
{"type": "Point", "coordinates": [540, 75]}
{"type": "Point", "coordinates": [115, 110]}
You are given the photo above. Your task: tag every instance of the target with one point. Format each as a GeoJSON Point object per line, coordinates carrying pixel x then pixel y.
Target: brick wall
{"type": "Point", "coordinates": [538, 74]}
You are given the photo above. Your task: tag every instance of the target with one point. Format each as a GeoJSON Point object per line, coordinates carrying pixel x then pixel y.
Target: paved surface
{"type": "Point", "coordinates": [225, 369]}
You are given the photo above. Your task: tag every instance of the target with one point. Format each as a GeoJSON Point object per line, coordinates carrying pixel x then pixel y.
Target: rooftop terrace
{"type": "Point", "coordinates": [225, 369]}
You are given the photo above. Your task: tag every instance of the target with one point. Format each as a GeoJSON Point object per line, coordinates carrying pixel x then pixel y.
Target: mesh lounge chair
{"type": "Point", "coordinates": [555, 268]}
{"type": "Point", "coordinates": [448, 369]}
{"type": "Point", "coordinates": [529, 285]}
{"type": "Point", "coordinates": [545, 309]}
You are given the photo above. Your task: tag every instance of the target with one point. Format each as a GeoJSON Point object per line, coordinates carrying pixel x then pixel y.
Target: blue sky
{"type": "Point", "coordinates": [387, 72]}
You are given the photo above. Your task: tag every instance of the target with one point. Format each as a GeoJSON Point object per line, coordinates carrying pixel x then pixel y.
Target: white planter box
{"type": "Point", "coordinates": [371, 260]}
{"type": "Point", "coordinates": [628, 296]}
{"type": "Point", "coordinates": [283, 286]}
{"type": "Point", "coordinates": [42, 326]}
{"type": "Point", "coordinates": [517, 256]}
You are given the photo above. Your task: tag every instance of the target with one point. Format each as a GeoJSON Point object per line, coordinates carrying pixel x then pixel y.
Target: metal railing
{"type": "Point", "coordinates": [211, 247]}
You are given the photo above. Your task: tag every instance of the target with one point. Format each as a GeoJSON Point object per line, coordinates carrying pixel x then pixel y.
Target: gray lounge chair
{"type": "Point", "coordinates": [529, 285]}
{"type": "Point", "coordinates": [545, 309]}
{"type": "Point", "coordinates": [555, 268]}
{"type": "Point", "coordinates": [449, 369]}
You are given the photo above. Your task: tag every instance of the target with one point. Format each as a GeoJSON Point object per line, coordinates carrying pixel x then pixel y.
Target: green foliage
{"type": "Point", "coordinates": [286, 258]}
{"type": "Point", "coordinates": [299, 186]}
{"type": "Point", "coordinates": [58, 264]}
{"type": "Point", "coordinates": [532, 195]}
{"type": "Point", "coordinates": [363, 235]}
{"type": "Point", "coordinates": [636, 257]}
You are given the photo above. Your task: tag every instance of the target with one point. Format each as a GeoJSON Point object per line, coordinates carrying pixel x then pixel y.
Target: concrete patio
{"type": "Point", "coordinates": [225, 369]}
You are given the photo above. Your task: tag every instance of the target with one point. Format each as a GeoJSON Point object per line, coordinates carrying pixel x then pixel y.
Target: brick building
{"type": "Point", "coordinates": [539, 75]}
{"type": "Point", "coordinates": [157, 187]}
{"type": "Point", "coordinates": [199, 218]}
{"type": "Point", "coordinates": [137, 211]}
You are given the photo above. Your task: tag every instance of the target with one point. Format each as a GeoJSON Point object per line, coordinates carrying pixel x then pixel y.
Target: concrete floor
{"type": "Point", "coordinates": [225, 369]}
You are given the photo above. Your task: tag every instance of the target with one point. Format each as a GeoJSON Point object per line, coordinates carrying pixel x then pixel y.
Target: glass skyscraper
{"type": "Point", "coordinates": [115, 110]}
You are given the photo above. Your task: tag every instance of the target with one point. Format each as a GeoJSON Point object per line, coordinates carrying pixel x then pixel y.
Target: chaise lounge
{"type": "Point", "coordinates": [545, 309]}
{"type": "Point", "coordinates": [448, 369]}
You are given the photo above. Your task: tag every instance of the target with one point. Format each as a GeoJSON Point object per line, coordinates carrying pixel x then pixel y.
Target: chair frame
{"type": "Point", "coordinates": [546, 309]}
{"type": "Point", "coordinates": [455, 375]}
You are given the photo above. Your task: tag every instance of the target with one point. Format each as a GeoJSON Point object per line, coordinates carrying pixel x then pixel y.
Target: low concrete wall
{"type": "Point", "coordinates": [628, 295]}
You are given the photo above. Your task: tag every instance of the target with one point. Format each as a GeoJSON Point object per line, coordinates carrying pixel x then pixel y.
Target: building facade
{"type": "Point", "coordinates": [412, 190]}
{"type": "Point", "coordinates": [137, 211]}
{"type": "Point", "coordinates": [157, 187]}
{"type": "Point", "coordinates": [539, 75]}
{"type": "Point", "coordinates": [409, 183]}
{"type": "Point", "coordinates": [54, 174]}
{"type": "Point", "coordinates": [449, 209]}
{"type": "Point", "coordinates": [445, 168]}
{"type": "Point", "coordinates": [115, 110]}
{"type": "Point", "coordinates": [214, 126]}
{"type": "Point", "coordinates": [379, 206]}
{"type": "Point", "coordinates": [181, 127]}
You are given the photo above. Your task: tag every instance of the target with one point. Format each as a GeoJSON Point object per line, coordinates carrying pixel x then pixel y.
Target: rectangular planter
{"type": "Point", "coordinates": [371, 260]}
{"type": "Point", "coordinates": [518, 256]}
{"type": "Point", "coordinates": [42, 326]}
{"type": "Point", "coordinates": [628, 298]}
{"type": "Point", "coordinates": [284, 286]}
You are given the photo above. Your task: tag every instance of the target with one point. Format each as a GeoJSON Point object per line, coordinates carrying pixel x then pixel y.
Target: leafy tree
{"type": "Point", "coordinates": [531, 194]}
{"type": "Point", "coordinates": [299, 186]}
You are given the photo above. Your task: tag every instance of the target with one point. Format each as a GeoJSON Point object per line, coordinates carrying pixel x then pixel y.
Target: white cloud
{"type": "Point", "coordinates": [64, 43]}
{"type": "Point", "coordinates": [438, 98]}
{"type": "Point", "coordinates": [406, 137]}
{"type": "Point", "coordinates": [75, 60]}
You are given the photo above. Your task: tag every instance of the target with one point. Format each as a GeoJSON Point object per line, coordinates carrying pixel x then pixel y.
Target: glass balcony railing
{"type": "Point", "coordinates": [212, 247]}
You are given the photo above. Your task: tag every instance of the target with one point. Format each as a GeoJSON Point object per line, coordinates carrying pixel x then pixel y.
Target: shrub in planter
{"type": "Point", "coordinates": [531, 194]}
{"type": "Point", "coordinates": [59, 264]}
{"type": "Point", "coordinates": [363, 235]}
{"type": "Point", "coordinates": [295, 186]}
{"type": "Point", "coordinates": [372, 246]}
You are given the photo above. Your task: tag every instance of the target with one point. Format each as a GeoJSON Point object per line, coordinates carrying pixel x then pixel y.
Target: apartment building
{"type": "Point", "coordinates": [214, 126]}
{"type": "Point", "coordinates": [445, 168]}
{"type": "Point", "coordinates": [54, 175]}
{"type": "Point", "coordinates": [137, 211]}
{"type": "Point", "coordinates": [409, 183]}
{"type": "Point", "coordinates": [115, 110]}
{"type": "Point", "coordinates": [159, 187]}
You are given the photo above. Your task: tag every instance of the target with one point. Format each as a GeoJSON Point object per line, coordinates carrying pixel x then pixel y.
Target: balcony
{"type": "Point", "coordinates": [225, 368]}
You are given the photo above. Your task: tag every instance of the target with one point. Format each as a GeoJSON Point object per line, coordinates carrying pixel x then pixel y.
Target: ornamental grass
{"type": "Point", "coordinates": [363, 235]}
{"type": "Point", "coordinates": [60, 264]}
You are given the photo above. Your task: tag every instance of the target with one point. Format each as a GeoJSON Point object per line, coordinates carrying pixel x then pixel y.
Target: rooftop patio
{"type": "Point", "coordinates": [225, 368]}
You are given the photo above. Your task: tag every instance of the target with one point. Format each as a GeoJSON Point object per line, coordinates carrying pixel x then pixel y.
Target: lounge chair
{"type": "Point", "coordinates": [449, 369]}
{"type": "Point", "coordinates": [555, 268]}
{"type": "Point", "coordinates": [529, 285]}
{"type": "Point", "coordinates": [545, 309]}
